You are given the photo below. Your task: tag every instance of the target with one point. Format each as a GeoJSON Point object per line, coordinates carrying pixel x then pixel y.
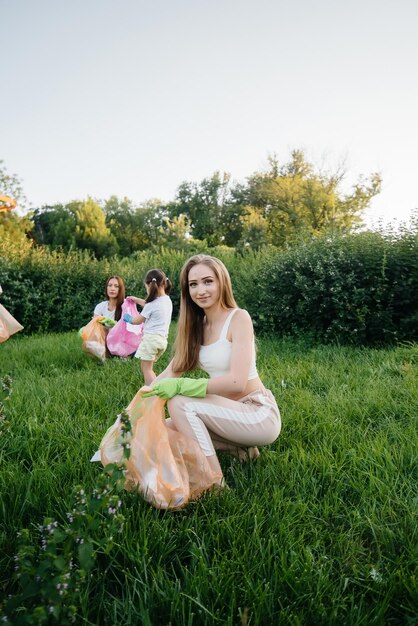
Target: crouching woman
{"type": "Point", "coordinates": [231, 411]}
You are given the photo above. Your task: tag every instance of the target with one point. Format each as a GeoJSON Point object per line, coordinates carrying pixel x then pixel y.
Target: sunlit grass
{"type": "Point", "coordinates": [322, 529]}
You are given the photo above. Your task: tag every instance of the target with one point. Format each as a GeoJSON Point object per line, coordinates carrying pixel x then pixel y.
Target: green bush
{"type": "Point", "coordinates": [53, 291]}
{"type": "Point", "coordinates": [50, 291]}
{"type": "Point", "coordinates": [360, 289]}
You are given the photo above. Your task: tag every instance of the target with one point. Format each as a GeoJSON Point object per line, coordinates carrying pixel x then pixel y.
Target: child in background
{"type": "Point", "coordinates": [156, 317]}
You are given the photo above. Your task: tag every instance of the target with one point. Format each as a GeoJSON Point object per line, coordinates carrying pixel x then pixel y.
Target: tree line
{"type": "Point", "coordinates": [277, 207]}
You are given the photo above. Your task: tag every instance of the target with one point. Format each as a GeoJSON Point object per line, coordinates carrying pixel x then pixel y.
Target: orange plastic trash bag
{"type": "Point", "coordinates": [8, 324]}
{"type": "Point", "coordinates": [168, 468]}
{"type": "Point", "coordinates": [94, 339]}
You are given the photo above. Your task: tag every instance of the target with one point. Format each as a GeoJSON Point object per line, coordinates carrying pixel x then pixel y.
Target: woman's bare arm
{"type": "Point", "coordinates": [236, 380]}
{"type": "Point", "coordinates": [139, 301]}
{"type": "Point", "coordinates": [168, 373]}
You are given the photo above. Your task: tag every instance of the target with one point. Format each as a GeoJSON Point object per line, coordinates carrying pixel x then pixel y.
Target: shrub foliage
{"type": "Point", "coordinates": [359, 288]}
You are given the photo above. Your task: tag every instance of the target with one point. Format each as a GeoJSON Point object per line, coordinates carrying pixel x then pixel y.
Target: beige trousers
{"type": "Point", "coordinates": [218, 423]}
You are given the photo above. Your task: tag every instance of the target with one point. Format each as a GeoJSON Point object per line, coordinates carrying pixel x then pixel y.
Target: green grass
{"type": "Point", "coordinates": [322, 529]}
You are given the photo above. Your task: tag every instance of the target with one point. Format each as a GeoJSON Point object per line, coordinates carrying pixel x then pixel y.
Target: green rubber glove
{"type": "Point", "coordinates": [170, 387]}
{"type": "Point", "coordinates": [106, 321]}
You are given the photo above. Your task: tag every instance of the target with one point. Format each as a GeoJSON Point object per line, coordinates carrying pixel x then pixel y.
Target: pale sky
{"type": "Point", "coordinates": [131, 98]}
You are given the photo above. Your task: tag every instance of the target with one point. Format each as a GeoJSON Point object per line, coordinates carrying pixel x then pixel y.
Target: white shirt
{"type": "Point", "coordinates": [102, 309]}
{"type": "Point", "coordinates": [215, 358]}
{"type": "Point", "coordinates": [158, 316]}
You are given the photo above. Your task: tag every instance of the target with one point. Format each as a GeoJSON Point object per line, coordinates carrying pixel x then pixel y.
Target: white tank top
{"type": "Point", "coordinates": [215, 359]}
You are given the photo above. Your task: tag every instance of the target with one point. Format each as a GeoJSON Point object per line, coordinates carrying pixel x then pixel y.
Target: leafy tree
{"type": "Point", "coordinates": [55, 226]}
{"type": "Point", "coordinates": [203, 205]}
{"type": "Point", "coordinates": [135, 228]}
{"type": "Point", "coordinates": [151, 218]}
{"type": "Point", "coordinates": [11, 185]}
{"type": "Point", "coordinates": [175, 235]}
{"type": "Point", "coordinates": [120, 220]}
{"type": "Point", "coordinates": [79, 224]}
{"type": "Point", "coordinates": [278, 206]}
{"type": "Point", "coordinates": [296, 200]}
{"type": "Point", "coordinates": [254, 233]}
{"type": "Point", "coordinates": [231, 221]}
{"type": "Point", "coordinates": [91, 232]}
{"type": "Point", "coordinates": [12, 225]}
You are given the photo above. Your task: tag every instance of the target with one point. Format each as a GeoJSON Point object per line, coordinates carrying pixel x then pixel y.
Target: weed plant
{"type": "Point", "coordinates": [322, 529]}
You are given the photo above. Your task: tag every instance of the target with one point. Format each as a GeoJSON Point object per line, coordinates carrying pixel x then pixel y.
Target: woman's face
{"type": "Point", "coordinates": [203, 286]}
{"type": "Point", "coordinates": [112, 288]}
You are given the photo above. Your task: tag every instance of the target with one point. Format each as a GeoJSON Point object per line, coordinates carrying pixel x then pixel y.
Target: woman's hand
{"type": "Point", "coordinates": [169, 387]}
{"type": "Point", "coordinates": [107, 322]}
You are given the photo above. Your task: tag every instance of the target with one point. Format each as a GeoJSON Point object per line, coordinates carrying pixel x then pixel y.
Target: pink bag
{"type": "Point", "coordinates": [124, 339]}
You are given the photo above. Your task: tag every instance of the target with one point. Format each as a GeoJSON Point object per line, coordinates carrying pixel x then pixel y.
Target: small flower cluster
{"type": "Point", "coordinates": [126, 428]}
{"type": "Point", "coordinates": [6, 385]}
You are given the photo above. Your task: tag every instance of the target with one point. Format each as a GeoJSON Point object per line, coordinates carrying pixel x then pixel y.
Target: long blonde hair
{"type": "Point", "coordinates": [190, 325]}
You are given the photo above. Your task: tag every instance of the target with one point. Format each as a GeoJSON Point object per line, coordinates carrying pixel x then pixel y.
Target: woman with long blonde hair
{"type": "Point", "coordinates": [231, 410]}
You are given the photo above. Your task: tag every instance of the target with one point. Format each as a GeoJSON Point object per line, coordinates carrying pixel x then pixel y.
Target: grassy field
{"type": "Point", "coordinates": [322, 529]}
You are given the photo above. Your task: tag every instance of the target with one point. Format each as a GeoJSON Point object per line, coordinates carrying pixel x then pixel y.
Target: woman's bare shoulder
{"type": "Point", "coordinates": [242, 314]}
{"type": "Point", "coordinates": [241, 319]}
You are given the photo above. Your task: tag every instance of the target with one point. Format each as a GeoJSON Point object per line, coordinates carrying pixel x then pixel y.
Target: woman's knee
{"type": "Point", "coordinates": [274, 431]}
{"type": "Point", "coordinates": [175, 406]}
